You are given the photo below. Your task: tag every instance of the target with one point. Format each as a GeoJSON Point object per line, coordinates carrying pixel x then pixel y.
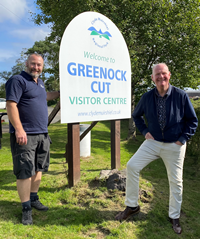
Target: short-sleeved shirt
{"type": "Point", "coordinates": [31, 102]}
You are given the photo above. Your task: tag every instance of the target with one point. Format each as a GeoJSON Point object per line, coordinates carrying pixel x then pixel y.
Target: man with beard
{"type": "Point", "coordinates": [171, 122]}
{"type": "Point", "coordinates": [26, 103]}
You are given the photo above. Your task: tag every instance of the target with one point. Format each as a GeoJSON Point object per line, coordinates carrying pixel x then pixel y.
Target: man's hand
{"type": "Point", "coordinates": [13, 115]}
{"type": "Point", "coordinates": [148, 136]}
{"type": "Point", "coordinates": [179, 143]}
{"type": "Point", "coordinates": [21, 137]}
{"type": "Point", "coordinates": [53, 95]}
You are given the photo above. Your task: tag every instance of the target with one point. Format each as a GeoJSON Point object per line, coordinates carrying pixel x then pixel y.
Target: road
{"type": "Point", "coordinates": [5, 127]}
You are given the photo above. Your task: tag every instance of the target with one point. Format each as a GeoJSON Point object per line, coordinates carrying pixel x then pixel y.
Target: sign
{"type": "Point", "coordinates": [95, 71]}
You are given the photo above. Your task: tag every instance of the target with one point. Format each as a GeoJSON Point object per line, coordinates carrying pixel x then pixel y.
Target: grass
{"type": "Point", "coordinates": [3, 110]}
{"type": "Point", "coordinates": [88, 209]}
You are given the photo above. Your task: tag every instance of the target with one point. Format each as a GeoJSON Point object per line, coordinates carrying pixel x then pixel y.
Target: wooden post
{"type": "Point", "coordinates": [53, 113]}
{"type": "Point", "coordinates": [115, 144]}
{"type": "Point", "coordinates": [73, 153]}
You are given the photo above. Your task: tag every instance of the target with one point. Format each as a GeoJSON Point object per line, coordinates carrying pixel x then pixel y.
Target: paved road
{"type": "Point", "coordinates": [5, 127]}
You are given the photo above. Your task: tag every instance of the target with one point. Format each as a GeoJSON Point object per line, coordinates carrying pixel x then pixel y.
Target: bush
{"type": "Point", "coordinates": [193, 147]}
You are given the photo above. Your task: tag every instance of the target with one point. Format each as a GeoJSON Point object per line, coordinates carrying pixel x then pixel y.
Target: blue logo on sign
{"type": "Point", "coordinates": [102, 36]}
{"type": "Point", "coordinates": [99, 33]}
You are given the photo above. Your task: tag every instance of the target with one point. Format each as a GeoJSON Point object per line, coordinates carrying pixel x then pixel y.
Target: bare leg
{"type": "Point", "coordinates": [35, 182]}
{"type": "Point", "coordinates": [24, 189]}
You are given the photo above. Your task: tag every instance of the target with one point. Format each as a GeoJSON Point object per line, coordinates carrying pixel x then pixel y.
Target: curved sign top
{"type": "Point", "coordinates": [95, 71]}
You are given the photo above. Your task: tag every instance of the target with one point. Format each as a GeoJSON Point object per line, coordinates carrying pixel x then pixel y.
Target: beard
{"type": "Point", "coordinates": [32, 73]}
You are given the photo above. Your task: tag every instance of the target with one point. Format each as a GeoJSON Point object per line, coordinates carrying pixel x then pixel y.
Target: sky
{"type": "Point", "coordinates": [17, 30]}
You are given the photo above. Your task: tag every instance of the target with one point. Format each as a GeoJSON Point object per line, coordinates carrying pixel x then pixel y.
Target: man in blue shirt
{"type": "Point", "coordinates": [171, 122]}
{"type": "Point", "coordinates": [26, 103]}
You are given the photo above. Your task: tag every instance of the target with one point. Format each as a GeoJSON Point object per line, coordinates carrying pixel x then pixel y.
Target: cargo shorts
{"type": "Point", "coordinates": [32, 157]}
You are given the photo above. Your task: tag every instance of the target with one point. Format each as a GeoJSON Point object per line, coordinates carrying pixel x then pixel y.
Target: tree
{"type": "Point", "coordinates": [4, 76]}
{"type": "Point", "coordinates": [16, 69]}
{"type": "Point", "coordinates": [154, 30]}
{"type": "Point", "coordinates": [50, 71]}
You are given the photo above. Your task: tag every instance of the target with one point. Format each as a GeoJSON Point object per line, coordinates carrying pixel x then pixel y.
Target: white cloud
{"type": "Point", "coordinates": [33, 33]}
{"type": "Point", "coordinates": [17, 30]}
{"type": "Point", "coordinates": [6, 54]}
{"type": "Point", "coordinates": [13, 10]}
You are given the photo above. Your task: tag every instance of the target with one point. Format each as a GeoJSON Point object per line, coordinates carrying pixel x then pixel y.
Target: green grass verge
{"type": "Point", "coordinates": [88, 209]}
{"type": "Point", "coordinates": [3, 110]}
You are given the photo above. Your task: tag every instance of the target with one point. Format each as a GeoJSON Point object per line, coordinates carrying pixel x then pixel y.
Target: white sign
{"type": "Point", "coordinates": [95, 71]}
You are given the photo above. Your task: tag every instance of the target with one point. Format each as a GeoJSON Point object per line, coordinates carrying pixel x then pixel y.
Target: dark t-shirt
{"type": "Point", "coordinates": [31, 102]}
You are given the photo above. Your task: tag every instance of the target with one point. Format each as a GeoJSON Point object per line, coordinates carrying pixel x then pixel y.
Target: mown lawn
{"type": "Point", "coordinates": [88, 209]}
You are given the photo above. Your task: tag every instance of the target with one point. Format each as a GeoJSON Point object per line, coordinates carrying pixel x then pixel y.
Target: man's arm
{"type": "Point", "coordinates": [138, 117]}
{"type": "Point", "coordinates": [13, 115]}
{"type": "Point", "coordinates": [53, 95]}
{"type": "Point", "coordinates": [191, 122]}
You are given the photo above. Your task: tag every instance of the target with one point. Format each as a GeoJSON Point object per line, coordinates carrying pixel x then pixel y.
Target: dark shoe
{"type": "Point", "coordinates": [127, 213]}
{"type": "Point", "coordinates": [27, 217]}
{"type": "Point", "coordinates": [176, 225]}
{"type": "Point", "coordinates": [38, 205]}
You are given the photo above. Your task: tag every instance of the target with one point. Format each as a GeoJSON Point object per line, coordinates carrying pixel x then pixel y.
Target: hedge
{"type": "Point", "coordinates": [193, 145]}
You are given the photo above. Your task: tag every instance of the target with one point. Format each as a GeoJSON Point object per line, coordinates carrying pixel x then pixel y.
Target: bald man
{"type": "Point", "coordinates": [26, 103]}
{"type": "Point", "coordinates": [171, 122]}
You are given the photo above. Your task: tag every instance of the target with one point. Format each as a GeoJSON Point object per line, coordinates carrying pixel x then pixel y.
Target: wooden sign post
{"type": "Point", "coordinates": [73, 149]}
{"type": "Point", "coordinates": [73, 153]}
{"type": "Point", "coordinates": [115, 144]}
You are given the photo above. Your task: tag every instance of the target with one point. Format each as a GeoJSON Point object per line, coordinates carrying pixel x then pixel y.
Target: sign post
{"type": "Point", "coordinates": [115, 144]}
{"type": "Point", "coordinates": [73, 154]}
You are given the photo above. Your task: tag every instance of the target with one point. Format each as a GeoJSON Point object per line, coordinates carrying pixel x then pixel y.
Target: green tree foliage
{"type": "Point", "coordinates": [2, 90]}
{"type": "Point", "coordinates": [49, 51]}
{"type": "Point", "coordinates": [5, 75]}
{"type": "Point", "coordinates": [154, 30]}
{"type": "Point", "coordinates": [193, 148]}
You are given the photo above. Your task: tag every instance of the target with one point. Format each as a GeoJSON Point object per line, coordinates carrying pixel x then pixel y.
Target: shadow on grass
{"type": "Point", "coordinates": [57, 156]}
{"type": "Point", "coordinates": [56, 162]}
{"type": "Point", "coordinates": [68, 215]}
{"type": "Point", "coordinates": [154, 224]}
{"type": "Point", "coordinates": [93, 170]}
{"type": "Point", "coordinates": [42, 189]}
{"type": "Point", "coordinates": [154, 214]}
{"type": "Point", "coordinates": [6, 177]}
{"type": "Point", "coordinates": [62, 215]}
